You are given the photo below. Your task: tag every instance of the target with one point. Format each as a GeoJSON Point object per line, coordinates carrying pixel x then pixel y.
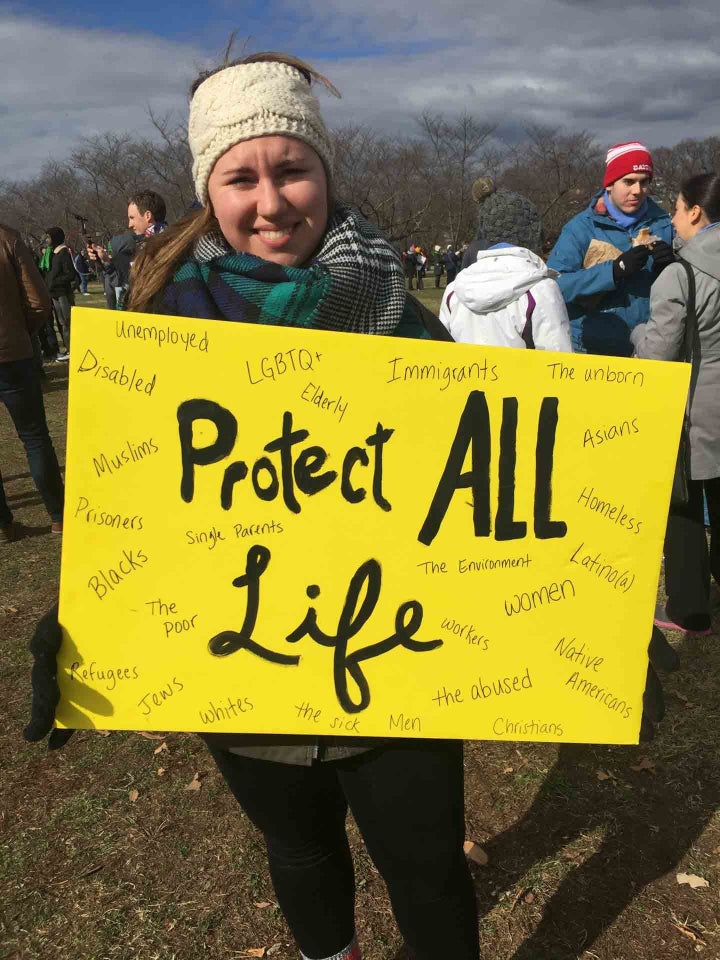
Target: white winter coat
{"type": "Point", "coordinates": [488, 303]}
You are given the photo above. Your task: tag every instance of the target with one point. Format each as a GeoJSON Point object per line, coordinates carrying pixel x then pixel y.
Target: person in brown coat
{"type": "Point", "coordinates": [24, 307]}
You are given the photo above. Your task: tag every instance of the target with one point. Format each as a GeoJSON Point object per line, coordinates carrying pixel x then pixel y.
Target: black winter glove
{"type": "Point", "coordinates": [663, 255]}
{"type": "Point", "coordinates": [44, 646]}
{"type": "Point", "coordinates": [663, 657]}
{"type": "Point", "coordinates": [632, 261]}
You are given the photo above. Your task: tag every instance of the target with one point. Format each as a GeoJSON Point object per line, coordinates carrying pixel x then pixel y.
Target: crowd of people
{"type": "Point", "coordinates": [269, 232]}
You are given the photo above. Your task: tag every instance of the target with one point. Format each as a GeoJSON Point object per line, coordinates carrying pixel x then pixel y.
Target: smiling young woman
{"type": "Point", "coordinates": [272, 245]}
{"type": "Point", "coordinates": [270, 198]}
{"type": "Point", "coordinates": [262, 165]}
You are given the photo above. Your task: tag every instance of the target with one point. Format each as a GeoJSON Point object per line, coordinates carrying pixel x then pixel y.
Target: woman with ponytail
{"type": "Point", "coordinates": [271, 244]}
{"type": "Point", "coordinates": [674, 305]}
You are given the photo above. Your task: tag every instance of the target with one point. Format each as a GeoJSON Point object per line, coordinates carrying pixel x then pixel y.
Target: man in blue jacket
{"type": "Point", "coordinates": [604, 278]}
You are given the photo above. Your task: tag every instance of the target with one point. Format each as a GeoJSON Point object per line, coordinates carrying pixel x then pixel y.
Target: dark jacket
{"type": "Point", "coordinates": [124, 250]}
{"type": "Point", "coordinates": [24, 300]}
{"type": "Point", "coordinates": [62, 274]}
{"type": "Point", "coordinates": [451, 261]}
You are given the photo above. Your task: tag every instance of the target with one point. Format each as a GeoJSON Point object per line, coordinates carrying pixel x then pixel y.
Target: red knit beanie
{"type": "Point", "coordinates": [626, 158]}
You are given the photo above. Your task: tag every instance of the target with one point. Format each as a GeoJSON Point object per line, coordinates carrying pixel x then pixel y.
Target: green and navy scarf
{"type": "Point", "coordinates": [355, 283]}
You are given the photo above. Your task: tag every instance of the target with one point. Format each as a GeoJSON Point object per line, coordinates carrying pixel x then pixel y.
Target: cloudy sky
{"type": "Point", "coordinates": [622, 70]}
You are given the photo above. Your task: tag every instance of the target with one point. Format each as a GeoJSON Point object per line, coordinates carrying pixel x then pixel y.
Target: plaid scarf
{"type": "Point", "coordinates": [355, 283]}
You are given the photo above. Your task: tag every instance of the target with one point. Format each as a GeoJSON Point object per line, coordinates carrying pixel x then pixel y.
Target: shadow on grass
{"type": "Point", "coordinates": [650, 821]}
{"type": "Point", "coordinates": [28, 533]}
{"type": "Point", "coordinates": [56, 378]}
{"type": "Point", "coordinates": [15, 476]}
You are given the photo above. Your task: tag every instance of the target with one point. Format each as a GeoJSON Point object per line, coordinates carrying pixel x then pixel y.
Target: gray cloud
{"type": "Point", "coordinates": [62, 84]}
{"type": "Point", "coordinates": [629, 69]}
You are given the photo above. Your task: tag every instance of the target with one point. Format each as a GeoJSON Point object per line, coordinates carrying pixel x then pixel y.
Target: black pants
{"type": "Point", "coordinates": [21, 393]}
{"type": "Point", "coordinates": [408, 802]}
{"type": "Point", "coordinates": [688, 564]}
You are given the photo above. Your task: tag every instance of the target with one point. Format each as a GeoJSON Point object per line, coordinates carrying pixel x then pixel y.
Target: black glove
{"type": "Point", "coordinates": [44, 647]}
{"type": "Point", "coordinates": [663, 255]}
{"type": "Point", "coordinates": [663, 657]}
{"type": "Point", "coordinates": [632, 261]}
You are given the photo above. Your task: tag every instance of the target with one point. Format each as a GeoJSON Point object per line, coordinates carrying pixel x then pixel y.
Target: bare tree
{"type": "Point", "coordinates": [383, 177]}
{"type": "Point", "coordinates": [455, 145]}
{"type": "Point", "coordinates": [415, 187]}
{"type": "Point", "coordinates": [557, 170]}
{"type": "Point", "coordinates": [674, 164]}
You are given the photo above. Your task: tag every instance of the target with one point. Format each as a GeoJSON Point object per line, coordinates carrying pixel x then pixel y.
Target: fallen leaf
{"type": "Point", "coordinates": [529, 897]}
{"type": "Point", "coordinates": [692, 880]}
{"type": "Point", "coordinates": [196, 785]}
{"type": "Point", "coordinates": [161, 771]}
{"type": "Point", "coordinates": [605, 775]}
{"type": "Point", "coordinates": [150, 736]}
{"type": "Point", "coordinates": [573, 855]}
{"type": "Point", "coordinates": [645, 764]}
{"type": "Point", "coordinates": [264, 904]}
{"type": "Point", "coordinates": [508, 770]}
{"type": "Point", "coordinates": [103, 733]}
{"type": "Point", "coordinates": [475, 852]}
{"type": "Point", "coordinates": [163, 748]}
{"type": "Point", "coordinates": [716, 849]}
{"type": "Point", "coordinates": [690, 934]}
{"type": "Point", "coordinates": [254, 952]}
{"type": "Point", "coordinates": [133, 795]}
{"type": "Point", "coordinates": [271, 951]}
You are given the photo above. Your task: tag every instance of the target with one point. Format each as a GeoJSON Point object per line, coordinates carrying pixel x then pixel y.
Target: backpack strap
{"type": "Point", "coordinates": [527, 334]}
{"type": "Point", "coordinates": [691, 339]}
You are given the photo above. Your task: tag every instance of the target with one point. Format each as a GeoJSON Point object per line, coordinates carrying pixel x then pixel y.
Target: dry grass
{"type": "Point", "coordinates": [580, 867]}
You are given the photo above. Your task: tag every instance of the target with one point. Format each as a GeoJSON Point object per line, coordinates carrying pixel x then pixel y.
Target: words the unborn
{"type": "Point", "coordinates": [360, 602]}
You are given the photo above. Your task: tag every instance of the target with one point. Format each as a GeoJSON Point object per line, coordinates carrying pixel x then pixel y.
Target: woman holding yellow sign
{"type": "Point", "coordinates": [273, 245]}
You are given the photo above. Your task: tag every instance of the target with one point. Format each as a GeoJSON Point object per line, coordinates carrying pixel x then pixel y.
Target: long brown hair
{"type": "Point", "coordinates": [153, 269]}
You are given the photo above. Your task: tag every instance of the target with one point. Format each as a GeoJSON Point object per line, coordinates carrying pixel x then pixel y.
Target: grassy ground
{"type": "Point", "coordinates": [106, 855]}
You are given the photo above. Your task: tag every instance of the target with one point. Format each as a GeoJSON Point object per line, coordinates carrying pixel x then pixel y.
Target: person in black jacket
{"type": "Point", "coordinates": [116, 261]}
{"type": "Point", "coordinates": [60, 280]}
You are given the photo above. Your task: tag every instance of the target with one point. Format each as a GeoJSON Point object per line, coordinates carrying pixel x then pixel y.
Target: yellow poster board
{"type": "Point", "coordinates": [299, 532]}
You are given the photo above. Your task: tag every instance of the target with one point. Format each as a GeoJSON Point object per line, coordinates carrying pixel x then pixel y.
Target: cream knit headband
{"type": "Point", "coordinates": [252, 100]}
